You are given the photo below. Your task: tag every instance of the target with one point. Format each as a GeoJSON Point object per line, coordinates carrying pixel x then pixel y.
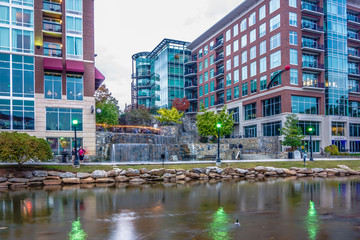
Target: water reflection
{"type": "Point", "coordinates": [266, 210]}
{"type": "Point", "coordinates": [76, 232]}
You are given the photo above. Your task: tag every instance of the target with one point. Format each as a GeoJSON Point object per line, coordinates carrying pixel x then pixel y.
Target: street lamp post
{"type": "Point", "coordinates": [76, 161]}
{"type": "Point", "coordinates": [310, 130]}
{"type": "Point", "coordinates": [218, 161]}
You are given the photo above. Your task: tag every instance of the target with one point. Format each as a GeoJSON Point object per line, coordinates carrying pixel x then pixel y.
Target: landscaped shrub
{"type": "Point", "coordinates": [332, 150]}
{"type": "Point", "coordinates": [21, 147]}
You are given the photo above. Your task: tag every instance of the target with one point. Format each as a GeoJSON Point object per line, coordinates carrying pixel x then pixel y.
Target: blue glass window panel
{"type": "Point", "coordinates": [4, 15]}
{"type": "Point", "coordinates": [5, 114]}
{"type": "Point", "coordinates": [28, 84]}
{"type": "Point", "coordinates": [70, 45]}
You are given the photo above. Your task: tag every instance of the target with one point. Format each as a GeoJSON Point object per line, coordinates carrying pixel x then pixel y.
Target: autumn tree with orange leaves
{"type": "Point", "coordinates": [181, 104]}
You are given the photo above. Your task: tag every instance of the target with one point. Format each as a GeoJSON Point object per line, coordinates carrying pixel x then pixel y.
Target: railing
{"type": "Point", "coordinates": [54, 7]}
{"type": "Point", "coordinates": [54, 52]}
{"type": "Point", "coordinates": [191, 96]}
{"type": "Point", "coordinates": [52, 26]}
{"type": "Point", "coordinates": [313, 84]}
{"type": "Point", "coordinates": [355, 89]}
{"type": "Point", "coordinates": [314, 45]}
{"type": "Point", "coordinates": [218, 58]}
{"type": "Point", "coordinates": [353, 52]}
{"type": "Point", "coordinates": [141, 74]}
{"type": "Point", "coordinates": [218, 43]}
{"type": "Point", "coordinates": [312, 64]}
{"type": "Point", "coordinates": [187, 72]}
{"type": "Point", "coordinates": [311, 7]}
{"type": "Point", "coordinates": [191, 109]}
{"type": "Point", "coordinates": [353, 71]}
{"type": "Point", "coordinates": [191, 59]}
{"type": "Point", "coordinates": [220, 71]}
{"type": "Point", "coordinates": [220, 86]}
{"type": "Point", "coordinates": [312, 26]}
{"type": "Point", "coordinates": [353, 35]}
{"type": "Point", "coordinates": [219, 101]}
{"type": "Point", "coordinates": [353, 18]}
{"type": "Point", "coordinates": [190, 84]}
{"type": "Point", "coordinates": [145, 84]}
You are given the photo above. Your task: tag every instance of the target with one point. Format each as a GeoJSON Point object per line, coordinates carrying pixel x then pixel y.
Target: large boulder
{"type": "Point", "coordinates": [52, 182]}
{"type": "Point", "coordinates": [40, 173]}
{"type": "Point", "coordinates": [36, 179]}
{"type": "Point", "coordinates": [121, 179]}
{"type": "Point", "coordinates": [305, 171]}
{"type": "Point", "coordinates": [180, 177]}
{"type": "Point", "coordinates": [113, 173]}
{"type": "Point", "coordinates": [3, 179]}
{"type": "Point", "coordinates": [241, 171]}
{"type": "Point", "coordinates": [71, 180]}
{"type": "Point", "coordinates": [289, 172]}
{"type": "Point", "coordinates": [136, 180]}
{"type": "Point", "coordinates": [18, 180]}
{"type": "Point", "coordinates": [168, 175]}
{"type": "Point", "coordinates": [104, 180]}
{"type": "Point", "coordinates": [260, 169]}
{"type": "Point", "coordinates": [82, 175]}
{"type": "Point", "coordinates": [132, 172]}
{"type": "Point", "coordinates": [67, 175]}
{"type": "Point", "coordinates": [54, 173]}
{"type": "Point", "coordinates": [22, 174]}
{"type": "Point", "coordinates": [318, 170]}
{"type": "Point", "coordinates": [87, 180]}
{"type": "Point", "coordinates": [98, 174]}
{"type": "Point", "coordinates": [157, 172]}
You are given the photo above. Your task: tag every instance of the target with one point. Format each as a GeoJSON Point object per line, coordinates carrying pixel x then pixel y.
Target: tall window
{"type": "Point", "coordinates": [236, 61]}
{"type": "Point", "coordinates": [206, 102]}
{"type": "Point", "coordinates": [243, 57]}
{"type": "Point", "coordinates": [60, 119]}
{"type": "Point", "coordinates": [23, 114]}
{"type": "Point", "coordinates": [236, 92]}
{"type": "Point", "coordinates": [244, 73]}
{"type": "Point", "coordinates": [200, 79]}
{"type": "Point", "coordinates": [5, 75]}
{"type": "Point", "coordinates": [338, 129]}
{"type": "Point", "coordinates": [206, 63]}
{"type": "Point", "coordinates": [212, 73]}
{"type": "Point", "coordinates": [228, 50]}
{"type": "Point", "coordinates": [253, 69]}
{"type": "Point", "coordinates": [262, 47]}
{"type": "Point", "coordinates": [200, 91]}
{"type": "Point", "coordinates": [293, 76]}
{"type": "Point", "coordinates": [253, 35]}
{"type": "Point", "coordinates": [228, 35]}
{"type": "Point", "coordinates": [271, 106]}
{"type": "Point", "coordinates": [293, 57]}
{"type": "Point", "coordinates": [253, 86]}
{"type": "Point", "coordinates": [274, 5]}
{"type": "Point", "coordinates": [271, 129]}
{"type": "Point", "coordinates": [22, 41]}
{"type": "Point", "coordinates": [275, 23]}
{"type": "Point", "coordinates": [52, 83]}
{"type": "Point", "coordinates": [73, 24]}
{"type": "Point", "coordinates": [262, 30]}
{"type": "Point", "coordinates": [206, 89]}
{"type": "Point", "coordinates": [243, 25]}
{"type": "Point", "coordinates": [74, 5]}
{"type": "Point", "coordinates": [5, 38]}
{"type": "Point", "coordinates": [206, 50]}
{"type": "Point", "coordinates": [235, 30]}
{"type": "Point", "coordinates": [228, 79]}
{"type": "Point", "coordinates": [74, 87]}
{"type": "Point", "coordinates": [275, 41]}
{"type": "Point", "coordinates": [22, 76]}
{"type": "Point", "coordinates": [200, 66]}
{"type": "Point", "coordinates": [262, 12]}
{"type": "Point", "coordinates": [22, 17]}
{"type": "Point", "coordinates": [212, 100]}
{"type": "Point", "coordinates": [262, 83]}
{"type": "Point", "coordinates": [263, 65]}
{"type": "Point", "coordinates": [293, 19]}
{"type": "Point", "coordinates": [200, 53]}
{"type": "Point", "coordinates": [304, 105]}
{"type": "Point", "coordinates": [212, 86]}
{"type": "Point", "coordinates": [253, 52]}
{"type": "Point", "coordinates": [293, 38]}
{"type": "Point", "coordinates": [211, 59]}
{"type": "Point", "coordinates": [244, 40]}
{"type": "Point", "coordinates": [292, 3]}
{"type": "Point", "coordinates": [244, 89]}
{"type": "Point", "coordinates": [236, 76]}
{"type": "Point", "coordinates": [4, 15]}
{"type": "Point", "coordinates": [250, 111]}
{"type": "Point", "coordinates": [275, 59]}
{"type": "Point", "coordinates": [206, 76]}
{"type": "Point", "coordinates": [236, 45]}
{"type": "Point", "coordinates": [252, 19]}
{"type": "Point", "coordinates": [250, 131]}
{"type": "Point", "coordinates": [228, 95]}
{"type": "Point", "coordinates": [74, 46]}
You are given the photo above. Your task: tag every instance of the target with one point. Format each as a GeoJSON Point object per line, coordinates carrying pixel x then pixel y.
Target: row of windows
{"type": "Point", "coordinates": [74, 86]}
{"type": "Point", "coordinates": [60, 119]}
{"type": "Point", "coordinates": [16, 114]}
{"type": "Point", "coordinates": [63, 144]}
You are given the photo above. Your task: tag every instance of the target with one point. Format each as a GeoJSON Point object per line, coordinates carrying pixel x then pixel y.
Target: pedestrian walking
{"type": "Point", "coordinates": [81, 154]}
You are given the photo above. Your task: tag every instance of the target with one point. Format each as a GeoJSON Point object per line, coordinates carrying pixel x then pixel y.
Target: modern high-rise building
{"type": "Point", "coordinates": [47, 72]}
{"type": "Point", "coordinates": [238, 57]}
{"type": "Point", "coordinates": [158, 76]}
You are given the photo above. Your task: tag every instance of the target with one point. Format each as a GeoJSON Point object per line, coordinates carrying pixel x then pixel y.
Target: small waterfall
{"type": "Point", "coordinates": [139, 152]}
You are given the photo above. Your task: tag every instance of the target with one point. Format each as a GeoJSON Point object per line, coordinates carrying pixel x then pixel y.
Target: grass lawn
{"type": "Point", "coordinates": [354, 164]}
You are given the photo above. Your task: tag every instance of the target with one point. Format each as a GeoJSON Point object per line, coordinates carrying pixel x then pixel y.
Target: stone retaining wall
{"type": "Point", "coordinates": [23, 179]}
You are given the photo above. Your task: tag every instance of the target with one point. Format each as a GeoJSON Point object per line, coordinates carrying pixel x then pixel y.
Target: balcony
{"type": "Point", "coordinates": [219, 102]}
{"type": "Point", "coordinates": [52, 7]}
{"type": "Point", "coordinates": [190, 61]}
{"type": "Point", "coordinates": [143, 74]}
{"type": "Point", "coordinates": [312, 9]}
{"type": "Point", "coordinates": [353, 54]}
{"type": "Point", "coordinates": [312, 27]}
{"type": "Point", "coordinates": [146, 84]}
{"type": "Point", "coordinates": [312, 65]}
{"type": "Point", "coordinates": [191, 110]}
{"type": "Point", "coordinates": [219, 73]}
{"type": "Point", "coordinates": [353, 20]}
{"type": "Point", "coordinates": [354, 90]}
{"type": "Point", "coordinates": [191, 97]}
{"type": "Point", "coordinates": [190, 85]}
{"type": "Point", "coordinates": [190, 73]}
{"type": "Point", "coordinates": [353, 37]}
{"type": "Point", "coordinates": [52, 29]}
{"type": "Point", "coordinates": [143, 96]}
{"type": "Point", "coordinates": [313, 84]}
{"type": "Point", "coordinates": [312, 46]}
{"type": "Point", "coordinates": [354, 72]}
{"type": "Point", "coordinates": [52, 52]}
{"type": "Point", "coordinates": [218, 44]}
{"type": "Point", "coordinates": [219, 87]}
{"type": "Point", "coordinates": [219, 59]}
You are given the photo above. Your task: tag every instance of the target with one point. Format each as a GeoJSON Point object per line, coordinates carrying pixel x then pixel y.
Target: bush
{"type": "Point", "coordinates": [332, 150]}
{"type": "Point", "coordinates": [21, 147]}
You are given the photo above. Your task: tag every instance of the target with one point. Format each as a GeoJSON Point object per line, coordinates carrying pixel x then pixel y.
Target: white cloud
{"type": "Point", "coordinates": [123, 28]}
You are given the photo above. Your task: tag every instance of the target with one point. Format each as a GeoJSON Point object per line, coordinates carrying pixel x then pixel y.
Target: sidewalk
{"type": "Point", "coordinates": [185, 162]}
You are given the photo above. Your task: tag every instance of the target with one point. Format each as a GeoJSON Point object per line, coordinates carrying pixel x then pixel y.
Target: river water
{"type": "Point", "coordinates": [275, 209]}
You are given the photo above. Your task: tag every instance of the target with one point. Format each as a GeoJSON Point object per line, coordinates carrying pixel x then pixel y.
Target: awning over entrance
{"type": "Point", "coordinates": [53, 64]}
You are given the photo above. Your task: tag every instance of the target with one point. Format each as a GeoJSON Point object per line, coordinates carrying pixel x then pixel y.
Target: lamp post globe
{"type": "Point", "coordinates": [76, 160]}
{"type": "Point", "coordinates": [310, 131]}
{"type": "Point", "coordinates": [218, 161]}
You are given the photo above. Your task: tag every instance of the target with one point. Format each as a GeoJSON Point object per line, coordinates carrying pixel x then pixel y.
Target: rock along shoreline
{"type": "Point", "coordinates": [23, 179]}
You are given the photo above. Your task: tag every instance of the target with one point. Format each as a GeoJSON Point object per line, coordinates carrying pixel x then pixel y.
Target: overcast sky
{"type": "Point", "coordinates": [126, 27]}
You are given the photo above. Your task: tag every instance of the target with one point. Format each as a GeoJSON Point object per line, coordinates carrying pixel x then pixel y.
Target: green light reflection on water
{"type": "Point", "coordinates": [312, 221]}
{"type": "Point", "coordinates": [220, 225]}
{"type": "Point", "coordinates": [76, 232]}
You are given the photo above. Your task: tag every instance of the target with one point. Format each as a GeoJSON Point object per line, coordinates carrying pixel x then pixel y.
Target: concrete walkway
{"type": "Point", "coordinates": [185, 162]}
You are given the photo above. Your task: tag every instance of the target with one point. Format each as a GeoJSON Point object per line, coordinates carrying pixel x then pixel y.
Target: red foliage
{"type": "Point", "coordinates": [181, 104]}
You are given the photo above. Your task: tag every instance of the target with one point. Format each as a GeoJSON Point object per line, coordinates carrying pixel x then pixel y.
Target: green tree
{"type": "Point", "coordinates": [169, 116]}
{"type": "Point", "coordinates": [109, 113]}
{"type": "Point", "coordinates": [292, 132]}
{"type": "Point", "coordinates": [206, 122]}
{"type": "Point", "coordinates": [140, 116]}
{"type": "Point", "coordinates": [21, 147]}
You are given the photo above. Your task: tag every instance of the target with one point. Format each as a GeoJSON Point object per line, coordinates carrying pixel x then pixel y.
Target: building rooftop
{"type": "Point", "coordinates": [163, 43]}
